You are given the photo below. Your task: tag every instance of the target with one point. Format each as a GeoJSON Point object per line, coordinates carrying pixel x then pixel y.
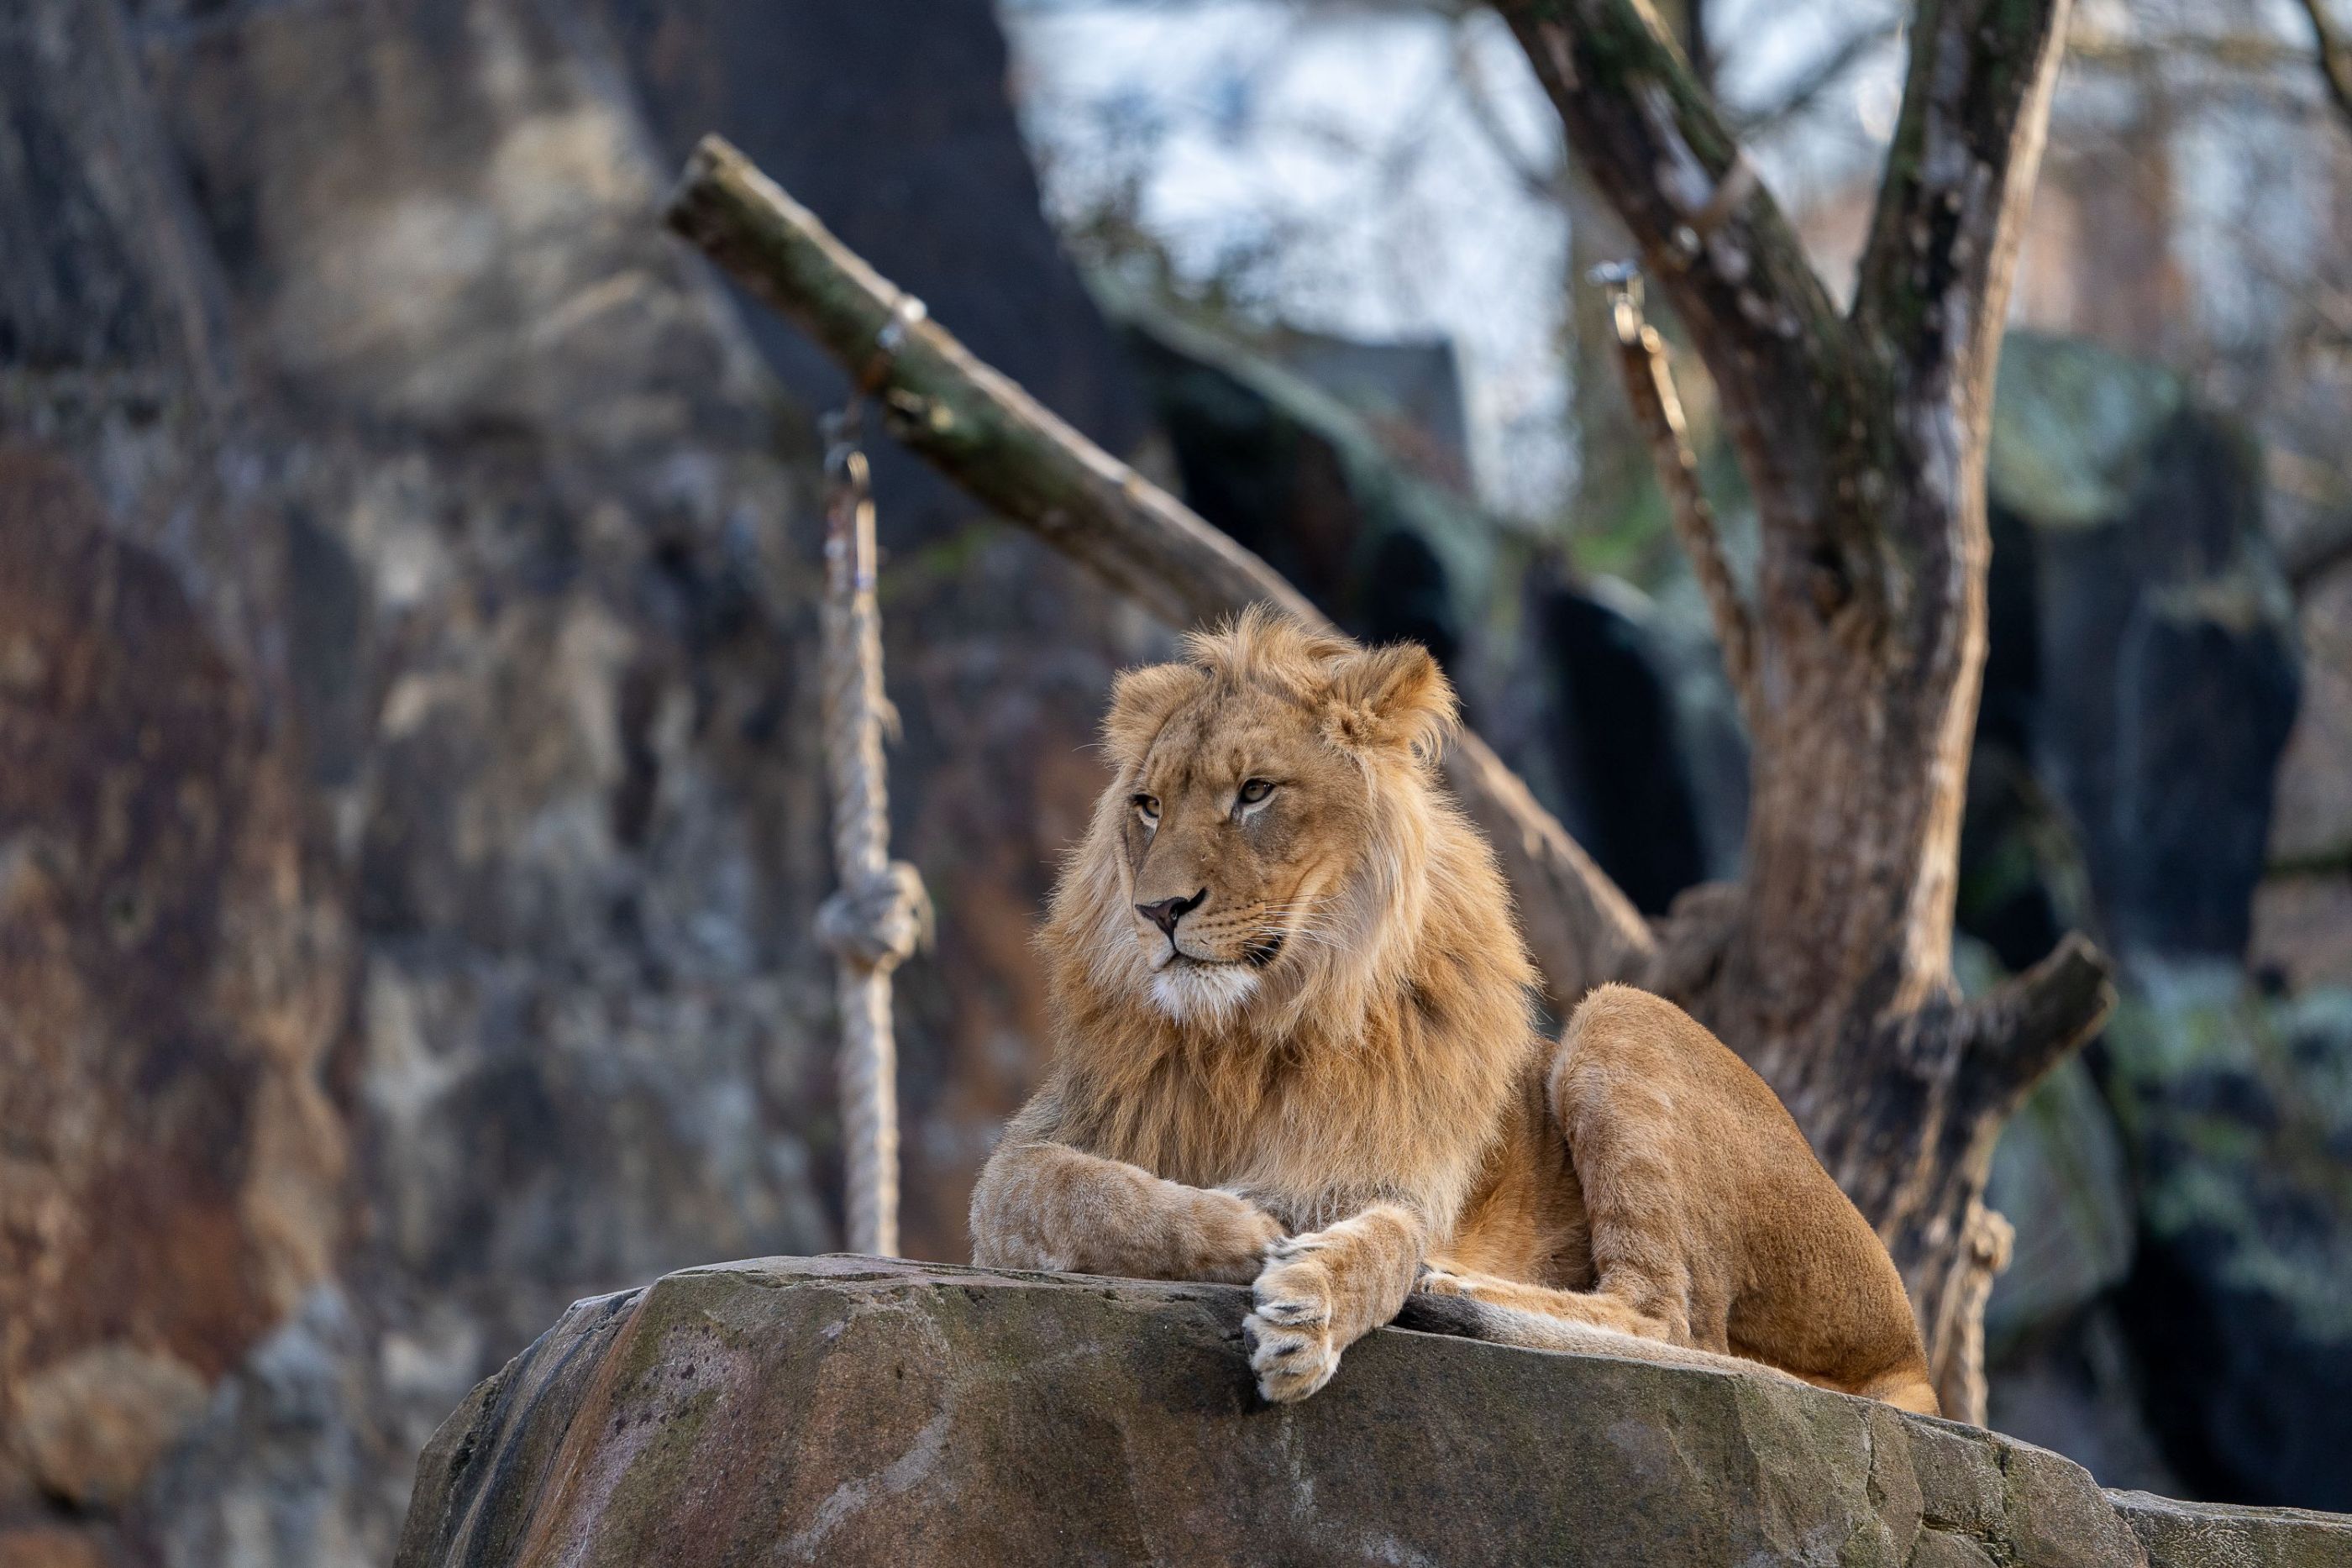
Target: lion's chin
{"type": "Point", "coordinates": [1190, 991]}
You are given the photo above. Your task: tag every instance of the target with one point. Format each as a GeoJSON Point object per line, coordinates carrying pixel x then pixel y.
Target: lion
{"type": "Point", "coordinates": [1297, 1050]}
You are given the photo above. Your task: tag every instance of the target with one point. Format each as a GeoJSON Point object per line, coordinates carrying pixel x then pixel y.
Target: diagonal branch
{"type": "Point", "coordinates": [1658, 410]}
{"type": "Point", "coordinates": [1934, 279]}
{"type": "Point", "coordinates": [968, 419]}
{"type": "Point", "coordinates": [2015, 1034]}
{"type": "Point", "coordinates": [1712, 238]}
{"type": "Point", "coordinates": [982, 431]}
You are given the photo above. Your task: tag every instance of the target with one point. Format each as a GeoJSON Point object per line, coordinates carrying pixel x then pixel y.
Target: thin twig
{"type": "Point", "coordinates": [1658, 410]}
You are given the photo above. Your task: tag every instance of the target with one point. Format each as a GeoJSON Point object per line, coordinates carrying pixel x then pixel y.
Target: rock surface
{"type": "Point", "coordinates": [852, 1410]}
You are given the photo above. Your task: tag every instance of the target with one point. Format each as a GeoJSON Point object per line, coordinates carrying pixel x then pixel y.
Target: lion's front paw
{"type": "Point", "coordinates": [1288, 1337]}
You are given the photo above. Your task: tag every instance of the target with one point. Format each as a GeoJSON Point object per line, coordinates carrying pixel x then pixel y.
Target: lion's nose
{"type": "Point", "coordinates": [1168, 911]}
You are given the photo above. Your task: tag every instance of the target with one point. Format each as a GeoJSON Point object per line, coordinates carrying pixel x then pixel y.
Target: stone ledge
{"type": "Point", "coordinates": [847, 1410]}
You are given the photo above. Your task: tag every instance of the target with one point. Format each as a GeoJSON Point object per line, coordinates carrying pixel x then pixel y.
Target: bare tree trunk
{"type": "Point", "coordinates": [1863, 438]}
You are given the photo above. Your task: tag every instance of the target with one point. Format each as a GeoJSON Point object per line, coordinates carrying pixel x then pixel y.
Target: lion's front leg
{"type": "Point", "coordinates": [1321, 1292]}
{"type": "Point", "coordinates": [1044, 1206]}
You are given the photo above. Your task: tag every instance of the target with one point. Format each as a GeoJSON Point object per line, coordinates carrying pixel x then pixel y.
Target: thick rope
{"type": "Point", "coordinates": [880, 914]}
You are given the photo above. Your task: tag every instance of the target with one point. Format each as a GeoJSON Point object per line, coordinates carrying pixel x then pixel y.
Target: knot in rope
{"type": "Point", "coordinates": [879, 924]}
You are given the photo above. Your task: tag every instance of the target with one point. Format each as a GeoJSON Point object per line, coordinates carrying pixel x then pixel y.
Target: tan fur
{"type": "Point", "coordinates": [1327, 1083]}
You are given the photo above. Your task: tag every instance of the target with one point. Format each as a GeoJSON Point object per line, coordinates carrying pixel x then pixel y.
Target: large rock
{"type": "Point", "coordinates": [169, 974]}
{"type": "Point", "coordinates": [850, 1410]}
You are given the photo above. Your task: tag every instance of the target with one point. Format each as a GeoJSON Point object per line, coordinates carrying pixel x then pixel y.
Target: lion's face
{"type": "Point", "coordinates": [1256, 831]}
{"type": "Point", "coordinates": [1240, 822]}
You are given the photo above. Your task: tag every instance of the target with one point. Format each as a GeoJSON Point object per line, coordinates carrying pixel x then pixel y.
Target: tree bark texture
{"type": "Point", "coordinates": [1862, 437]}
{"type": "Point", "coordinates": [1830, 967]}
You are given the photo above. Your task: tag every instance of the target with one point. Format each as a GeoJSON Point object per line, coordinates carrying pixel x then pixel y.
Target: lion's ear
{"type": "Point", "coordinates": [1140, 701]}
{"type": "Point", "coordinates": [1392, 697]}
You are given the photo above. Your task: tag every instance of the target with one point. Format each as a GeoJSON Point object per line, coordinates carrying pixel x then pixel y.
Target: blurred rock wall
{"type": "Point", "coordinates": [409, 819]}
{"type": "Point", "coordinates": [2153, 749]}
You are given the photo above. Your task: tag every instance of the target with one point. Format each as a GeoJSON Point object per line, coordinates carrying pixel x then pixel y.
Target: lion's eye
{"type": "Point", "coordinates": [1148, 808]}
{"type": "Point", "coordinates": [1253, 791]}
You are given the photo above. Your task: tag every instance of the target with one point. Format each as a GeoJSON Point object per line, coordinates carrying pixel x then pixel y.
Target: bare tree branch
{"type": "Point", "coordinates": [1658, 410]}
{"type": "Point", "coordinates": [1935, 276]}
{"type": "Point", "coordinates": [1712, 238]}
{"type": "Point", "coordinates": [2014, 1035]}
{"type": "Point", "coordinates": [2335, 57]}
{"type": "Point", "coordinates": [1863, 439]}
{"type": "Point", "coordinates": [982, 431]}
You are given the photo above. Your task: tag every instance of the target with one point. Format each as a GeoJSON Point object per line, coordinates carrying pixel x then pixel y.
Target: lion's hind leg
{"type": "Point", "coordinates": [1706, 1205]}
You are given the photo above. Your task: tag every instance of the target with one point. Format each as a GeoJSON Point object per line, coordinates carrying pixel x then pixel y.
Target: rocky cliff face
{"type": "Point", "coordinates": [409, 817]}
{"type": "Point", "coordinates": [2184, 1231]}
{"type": "Point", "coordinates": [847, 1410]}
